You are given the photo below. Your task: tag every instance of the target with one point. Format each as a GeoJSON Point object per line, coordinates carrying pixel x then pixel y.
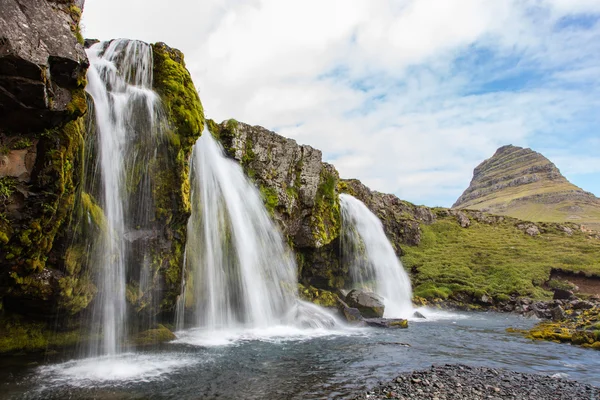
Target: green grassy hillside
{"type": "Point", "coordinates": [494, 256]}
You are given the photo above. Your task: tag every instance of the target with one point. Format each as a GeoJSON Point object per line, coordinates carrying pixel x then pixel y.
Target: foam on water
{"type": "Point", "coordinates": [272, 334]}
{"type": "Point", "coordinates": [114, 370]}
{"type": "Point", "coordinates": [433, 315]}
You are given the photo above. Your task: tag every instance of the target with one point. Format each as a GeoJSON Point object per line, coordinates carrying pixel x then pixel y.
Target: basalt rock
{"type": "Point", "coordinates": [42, 142]}
{"type": "Point", "coordinates": [300, 192]}
{"type": "Point", "coordinates": [369, 304]}
{"type": "Point", "coordinates": [42, 61]}
{"type": "Point", "coordinates": [388, 323]}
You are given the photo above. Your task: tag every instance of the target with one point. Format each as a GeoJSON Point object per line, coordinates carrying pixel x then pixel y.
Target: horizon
{"type": "Point", "coordinates": [407, 97]}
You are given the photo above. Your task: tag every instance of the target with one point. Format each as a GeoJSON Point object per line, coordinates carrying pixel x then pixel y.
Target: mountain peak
{"type": "Point", "coordinates": [522, 183]}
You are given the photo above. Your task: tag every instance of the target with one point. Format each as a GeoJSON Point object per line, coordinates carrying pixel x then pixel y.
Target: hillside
{"type": "Point", "coordinates": [522, 183]}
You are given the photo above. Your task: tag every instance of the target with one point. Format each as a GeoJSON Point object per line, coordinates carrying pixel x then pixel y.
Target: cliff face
{"type": "Point", "coordinates": [300, 192]}
{"type": "Point", "coordinates": [49, 207]}
{"type": "Point", "coordinates": [42, 103]}
{"type": "Point", "coordinates": [468, 257]}
{"type": "Point", "coordinates": [524, 184]}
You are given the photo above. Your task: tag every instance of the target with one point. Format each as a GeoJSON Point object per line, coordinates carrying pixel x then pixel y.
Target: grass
{"type": "Point", "coordinates": [495, 259]}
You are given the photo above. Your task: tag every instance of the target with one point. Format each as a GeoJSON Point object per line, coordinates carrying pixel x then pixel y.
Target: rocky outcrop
{"type": "Point", "coordinates": [524, 184]}
{"type": "Point", "coordinates": [42, 136]}
{"type": "Point", "coordinates": [170, 175]}
{"type": "Point", "coordinates": [42, 63]}
{"type": "Point", "coordinates": [300, 192]}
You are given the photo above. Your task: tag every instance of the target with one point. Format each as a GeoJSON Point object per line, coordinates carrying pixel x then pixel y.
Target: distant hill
{"type": "Point", "coordinates": [524, 184]}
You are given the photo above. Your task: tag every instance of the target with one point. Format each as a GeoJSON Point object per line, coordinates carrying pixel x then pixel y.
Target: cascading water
{"type": "Point", "coordinates": [240, 273]}
{"type": "Point", "coordinates": [239, 269]}
{"type": "Point", "coordinates": [373, 264]}
{"type": "Point", "coordinates": [127, 121]}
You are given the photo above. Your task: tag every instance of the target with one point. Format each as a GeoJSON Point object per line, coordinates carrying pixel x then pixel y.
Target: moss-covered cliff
{"type": "Point", "coordinates": [299, 190]}
{"type": "Point", "coordinates": [42, 138]}
{"type": "Point", "coordinates": [49, 208]}
{"type": "Point", "coordinates": [170, 175]}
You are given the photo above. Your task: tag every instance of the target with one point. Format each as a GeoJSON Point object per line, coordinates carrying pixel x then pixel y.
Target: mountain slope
{"type": "Point", "coordinates": [524, 184]}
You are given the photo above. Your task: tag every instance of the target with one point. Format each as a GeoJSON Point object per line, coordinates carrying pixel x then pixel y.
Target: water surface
{"type": "Point", "coordinates": [299, 364]}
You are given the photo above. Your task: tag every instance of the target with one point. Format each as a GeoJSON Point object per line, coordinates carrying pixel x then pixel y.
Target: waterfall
{"type": "Point", "coordinates": [371, 258]}
{"type": "Point", "coordinates": [127, 123]}
{"type": "Point", "coordinates": [240, 273]}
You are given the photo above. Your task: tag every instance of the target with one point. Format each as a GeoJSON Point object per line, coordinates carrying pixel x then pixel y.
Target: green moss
{"type": "Point", "coordinates": [170, 174]}
{"type": "Point", "coordinates": [575, 329]}
{"type": "Point", "coordinates": [174, 84]}
{"type": "Point", "coordinates": [319, 297]}
{"type": "Point", "coordinates": [270, 198]}
{"type": "Point", "coordinates": [8, 185]}
{"type": "Point", "coordinates": [22, 144]}
{"type": "Point", "coordinates": [326, 218]}
{"type": "Point", "coordinates": [17, 335]}
{"type": "Point", "coordinates": [155, 336]}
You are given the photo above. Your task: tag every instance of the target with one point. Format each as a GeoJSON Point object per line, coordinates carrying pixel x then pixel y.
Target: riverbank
{"type": "Point", "coordinates": [464, 382]}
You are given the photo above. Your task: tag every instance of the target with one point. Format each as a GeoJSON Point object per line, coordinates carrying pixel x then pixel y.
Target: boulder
{"type": "Point", "coordinates": [417, 314]}
{"type": "Point", "coordinates": [582, 305]}
{"type": "Point", "coordinates": [389, 323]}
{"type": "Point", "coordinates": [350, 314]}
{"type": "Point", "coordinates": [463, 220]}
{"type": "Point", "coordinates": [150, 337]}
{"type": "Point", "coordinates": [562, 294]}
{"type": "Point", "coordinates": [369, 304]}
{"type": "Point", "coordinates": [558, 314]}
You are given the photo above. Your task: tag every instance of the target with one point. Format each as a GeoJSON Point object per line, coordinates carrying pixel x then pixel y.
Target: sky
{"type": "Point", "coordinates": [408, 96]}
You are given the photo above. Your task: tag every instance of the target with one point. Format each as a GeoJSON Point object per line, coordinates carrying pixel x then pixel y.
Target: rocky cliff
{"type": "Point", "coordinates": [524, 184]}
{"type": "Point", "coordinates": [49, 204]}
{"type": "Point", "coordinates": [299, 190]}
{"type": "Point", "coordinates": [42, 135]}
{"type": "Point", "coordinates": [459, 255]}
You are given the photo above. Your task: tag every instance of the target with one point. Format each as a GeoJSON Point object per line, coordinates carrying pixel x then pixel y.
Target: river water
{"type": "Point", "coordinates": [291, 363]}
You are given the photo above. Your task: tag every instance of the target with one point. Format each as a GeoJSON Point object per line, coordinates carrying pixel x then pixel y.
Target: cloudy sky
{"type": "Point", "coordinates": [408, 95]}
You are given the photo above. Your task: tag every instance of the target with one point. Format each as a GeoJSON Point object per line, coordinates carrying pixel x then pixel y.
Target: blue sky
{"type": "Point", "coordinates": [408, 96]}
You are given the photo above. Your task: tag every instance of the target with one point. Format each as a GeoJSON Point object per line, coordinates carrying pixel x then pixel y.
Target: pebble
{"type": "Point", "coordinates": [463, 382]}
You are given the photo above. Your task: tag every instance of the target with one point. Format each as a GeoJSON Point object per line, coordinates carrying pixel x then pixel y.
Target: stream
{"type": "Point", "coordinates": [293, 363]}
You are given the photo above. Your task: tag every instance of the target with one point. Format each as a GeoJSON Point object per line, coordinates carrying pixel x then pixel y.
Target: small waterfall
{"type": "Point", "coordinates": [372, 261]}
{"type": "Point", "coordinates": [240, 273]}
{"type": "Point", "coordinates": [127, 121]}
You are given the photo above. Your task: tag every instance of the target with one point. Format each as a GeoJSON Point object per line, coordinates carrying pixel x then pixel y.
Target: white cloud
{"type": "Point", "coordinates": [408, 96]}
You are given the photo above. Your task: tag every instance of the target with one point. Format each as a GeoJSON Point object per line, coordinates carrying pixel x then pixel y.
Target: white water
{"type": "Point", "coordinates": [240, 273]}
{"type": "Point", "coordinates": [112, 370]}
{"type": "Point", "coordinates": [126, 114]}
{"type": "Point", "coordinates": [373, 264]}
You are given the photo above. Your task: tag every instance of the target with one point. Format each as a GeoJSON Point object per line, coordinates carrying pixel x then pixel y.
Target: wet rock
{"type": "Point", "coordinates": [417, 314]}
{"type": "Point", "coordinates": [387, 323]}
{"type": "Point", "coordinates": [369, 304]}
{"type": "Point", "coordinates": [558, 313]}
{"type": "Point", "coordinates": [350, 314]}
{"type": "Point", "coordinates": [151, 337]}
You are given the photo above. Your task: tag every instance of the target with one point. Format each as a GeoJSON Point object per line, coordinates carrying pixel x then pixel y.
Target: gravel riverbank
{"type": "Point", "coordinates": [465, 383]}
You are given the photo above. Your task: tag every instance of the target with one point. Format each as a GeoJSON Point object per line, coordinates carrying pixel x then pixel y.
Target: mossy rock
{"type": "Point", "coordinates": [155, 336]}
{"type": "Point", "coordinates": [20, 335]}
{"type": "Point", "coordinates": [319, 297]}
